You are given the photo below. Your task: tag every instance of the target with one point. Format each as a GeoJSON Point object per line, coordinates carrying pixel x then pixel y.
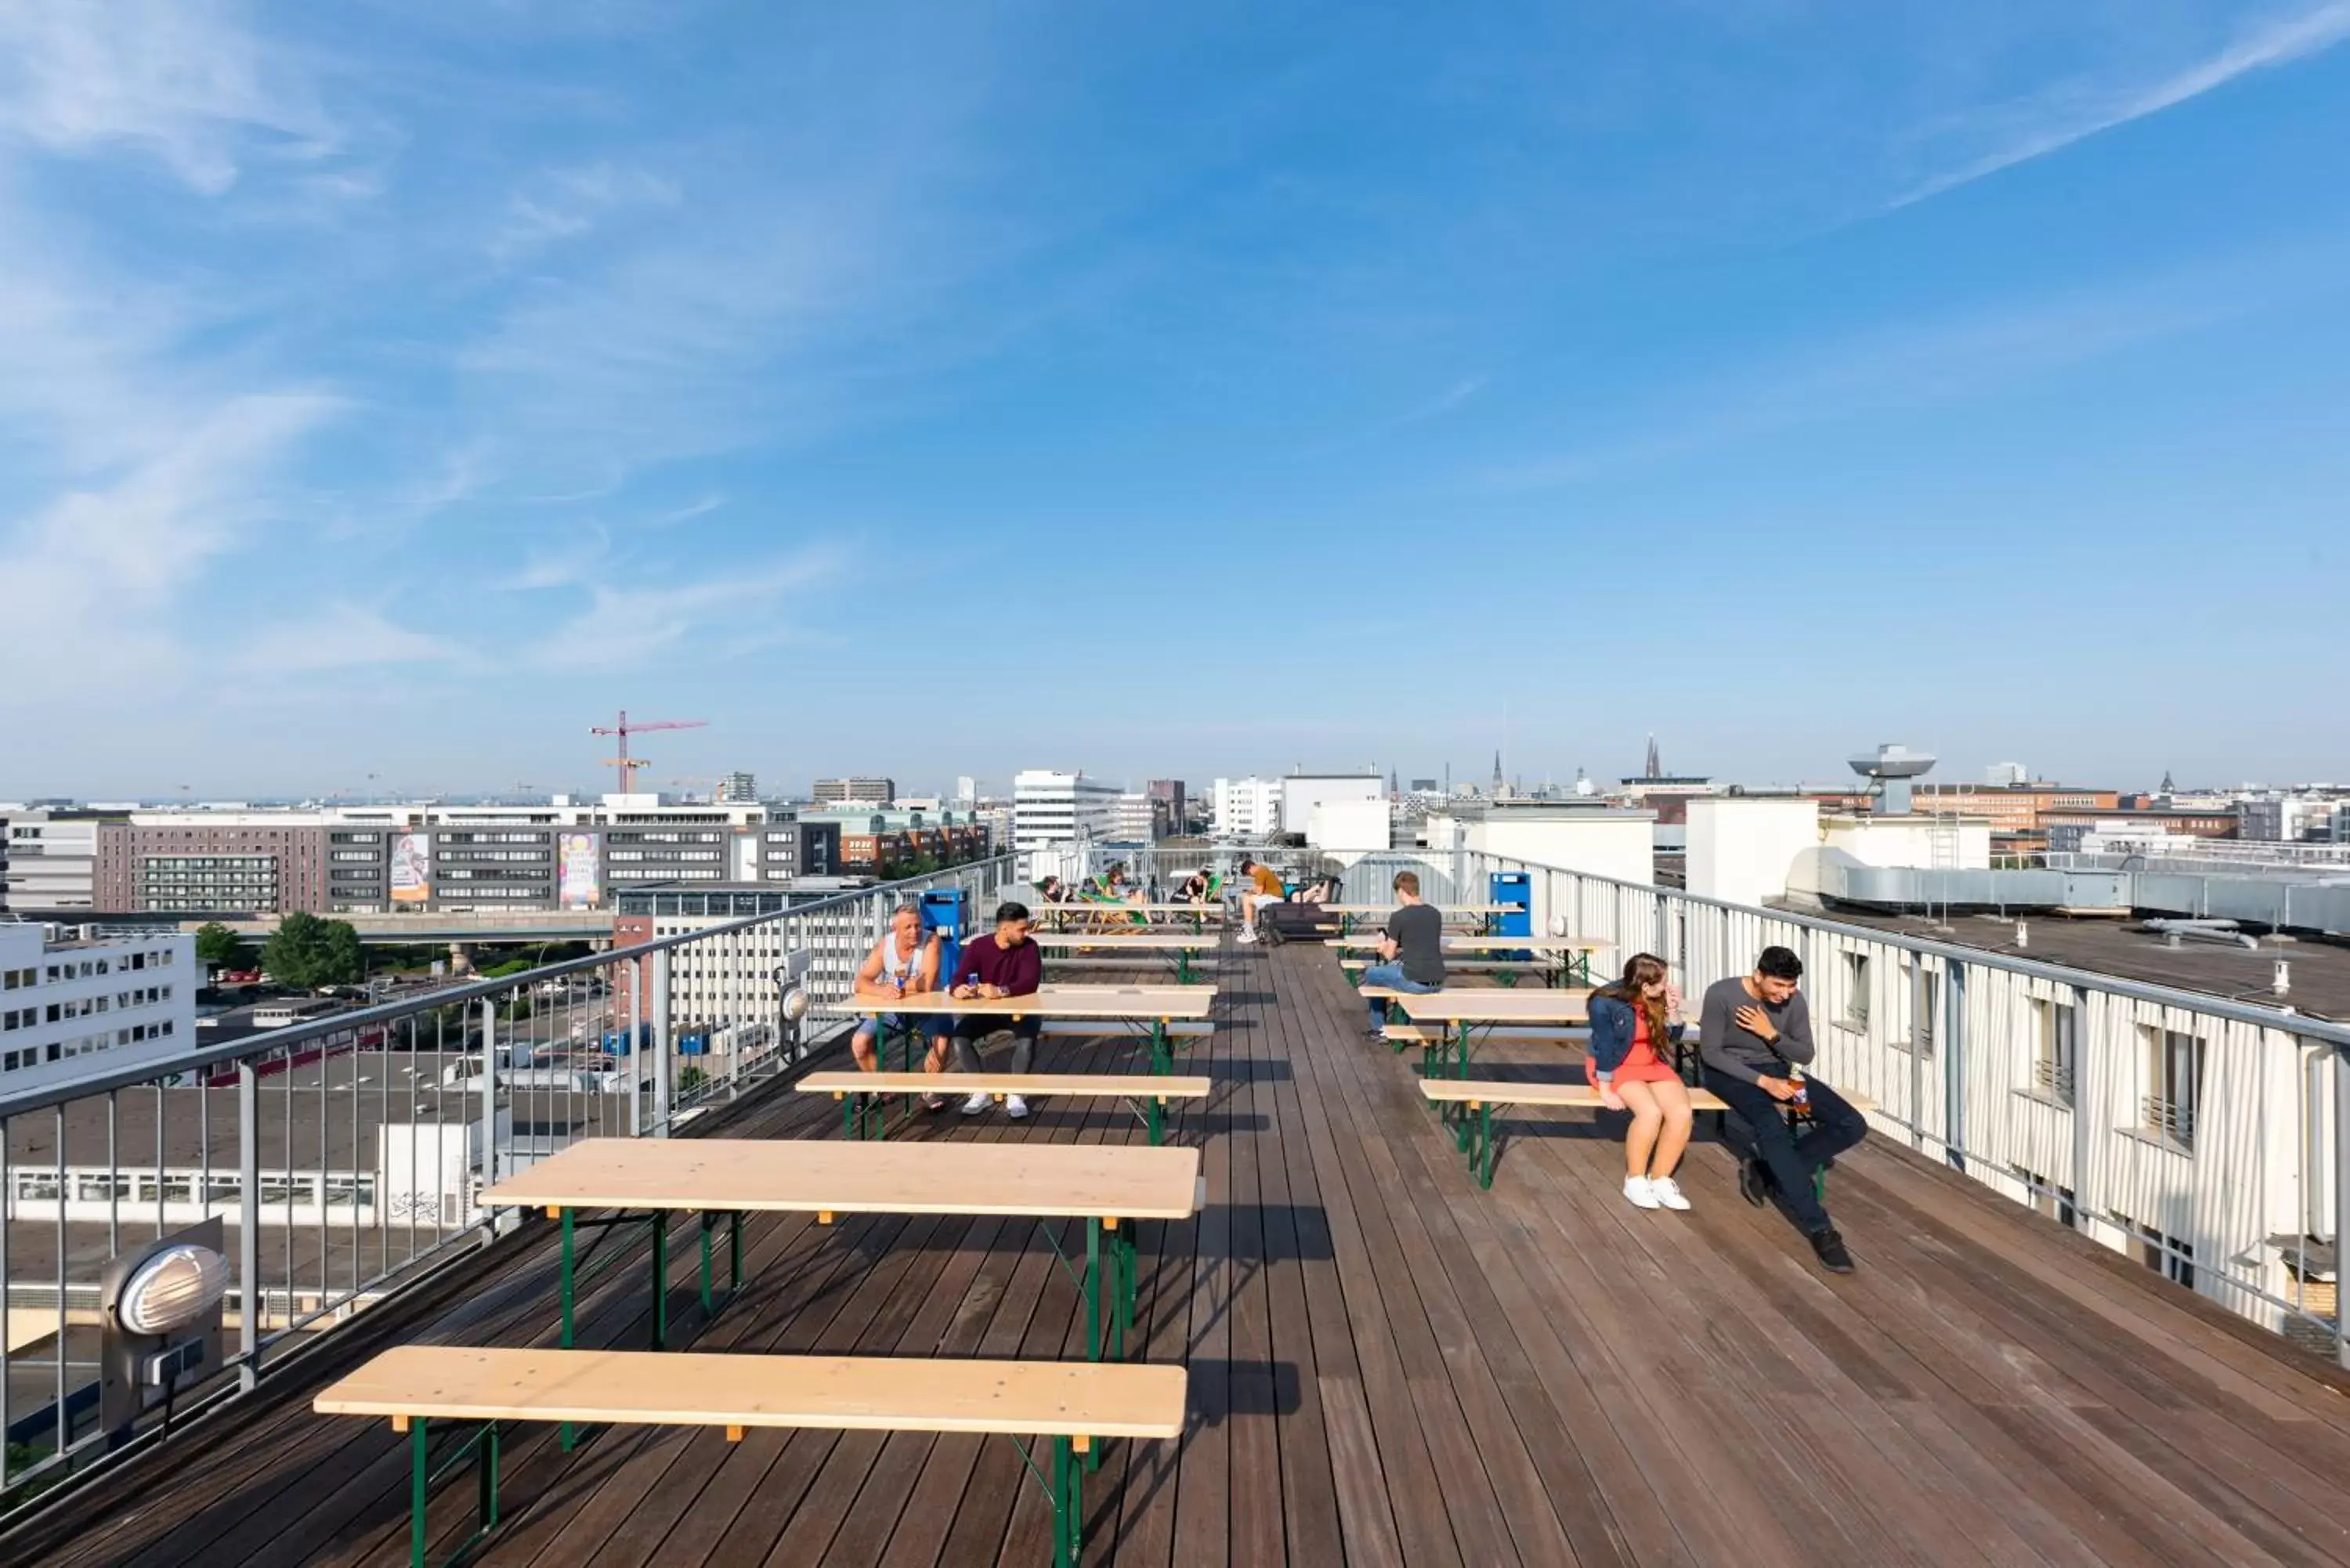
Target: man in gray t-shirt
{"type": "Point", "coordinates": [1411, 950]}
{"type": "Point", "coordinates": [1755, 1036]}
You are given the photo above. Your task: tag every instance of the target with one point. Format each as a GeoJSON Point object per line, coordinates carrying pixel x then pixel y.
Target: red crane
{"type": "Point", "coordinates": [623, 729]}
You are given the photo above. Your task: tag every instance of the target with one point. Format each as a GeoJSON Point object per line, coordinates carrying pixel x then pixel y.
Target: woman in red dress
{"type": "Point", "coordinates": [1630, 1022]}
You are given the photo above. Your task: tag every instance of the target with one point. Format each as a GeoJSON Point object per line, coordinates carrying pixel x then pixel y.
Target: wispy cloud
{"type": "Point", "coordinates": [91, 576]}
{"type": "Point", "coordinates": [2074, 110]}
{"type": "Point", "coordinates": [1915, 363]}
{"type": "Point", "coordinates": [183, 81]}
{"type": "Point", "coordinates": [702, 508]}
{"type": "Point", "coordinates": [343, 636]}
{"type": "Point", "coordinates": [634, 626]}
{"type": "Point", "coordinates": [566, 204]}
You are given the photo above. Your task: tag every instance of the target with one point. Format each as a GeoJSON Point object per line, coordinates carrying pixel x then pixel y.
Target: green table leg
{"type": "Point", "coordinates": [1162, 1056]}
{"type": "Point", "coordinates": [569, 1433]}
{"type": "Point", "coordinates": [1068, 1504]}
{"type": "Point", "coordinates": [487, 1460]}
{"type": "Point", "coordinates": [1122, 1257]}
{"type": "Point", "coordinates": [661, 1279]}
{"type": "Point", "coordinates": [735, 1251]}
{"type": "Point", "coordinates": [420, 1478]}
{"type": "Point", "coordinates": [1093, 1289]}
{"type": "Point", "coordinates": [1154, 1116]}
{"type": "Point", "coordinates": [707, 1306]}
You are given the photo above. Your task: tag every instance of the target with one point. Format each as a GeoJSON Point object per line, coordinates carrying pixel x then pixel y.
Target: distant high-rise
{"type": "Point", "coordinates": [738, 788]}
{"type": "Point", "coordinates": [2006, 775]}
{"type": "Point", "coordinates": [856, 791]}
{"type": "Point", "coordinates": [966, 789]}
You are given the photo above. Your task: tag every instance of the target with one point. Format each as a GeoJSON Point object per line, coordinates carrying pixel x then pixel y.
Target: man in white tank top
{"type": "Point", "coordinates": [902, 965]}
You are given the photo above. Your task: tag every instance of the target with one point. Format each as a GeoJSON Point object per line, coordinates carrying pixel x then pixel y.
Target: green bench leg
{"type": "Point", "coordinates": [484, 1450]}
{"type": "Point", "coordinates": [661, 1279]}
{"type": "Point", "coordinates": [1154, 1116]}
{"type": "Point", "coordinates": [1093, 1289]}
{"type": "Point", "coordinates": [1069, 1502]}
{"type": "Point", "coordinates": [568, 1434]}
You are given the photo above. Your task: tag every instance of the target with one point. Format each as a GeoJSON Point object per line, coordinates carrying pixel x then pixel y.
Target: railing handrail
{"type": "Point", "coordinates": [295, 1035]}
{"type": "Point", "coordinates": [2286, 1021]}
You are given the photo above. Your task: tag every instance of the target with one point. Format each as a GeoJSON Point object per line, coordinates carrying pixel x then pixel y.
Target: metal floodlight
{"type": "Point", "coordinates": [160, 1309]}
{"type": "Point", "coordinates": [172, 1289]}
{"type": "Point", "coordinates": [795, 1004]}
{"type": "Point", "coordinates": [1558, 926]}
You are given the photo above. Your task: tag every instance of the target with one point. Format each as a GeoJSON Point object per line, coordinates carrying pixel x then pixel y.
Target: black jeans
{"type": "Point", "coordinates": [1792, 1161]}
{"type": "Point", "coordinates": [969, 1029]}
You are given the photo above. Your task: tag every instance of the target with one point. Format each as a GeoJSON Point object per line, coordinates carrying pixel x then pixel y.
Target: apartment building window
{"type": "Point", "coordinates": [2174, 1078]}
{"type": "Point", "coordinates": [2057, 1030]}
{"type": "Point", "coordinates": [2166, 1255]}
{"type": "Point", "coordinates": [1856, 989]}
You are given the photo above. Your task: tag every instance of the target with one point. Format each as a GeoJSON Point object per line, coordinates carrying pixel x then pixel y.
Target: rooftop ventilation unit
{"type": "Point", "coordinates": [1891, 771]}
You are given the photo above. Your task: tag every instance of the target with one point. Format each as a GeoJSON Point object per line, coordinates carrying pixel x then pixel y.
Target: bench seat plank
{"type": "Point", "coordinates": [1510, 1091]}
{"type": "Point", "coordinates": [1065, 1083]}
{"type": "Point", "coordinates": [837, 1393]}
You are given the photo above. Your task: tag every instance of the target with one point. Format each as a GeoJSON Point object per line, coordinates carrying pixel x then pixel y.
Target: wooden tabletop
{"type": "Point", "coordinates": [1496, 1005]}
{"type": "Point", "coordinates": [1488, 944]}
{"type": "Point", "coordinates": [1140, 941]}
{"type": "Point", "coordinates": [1118, 907]}
{"type": "Point", "coordinates": [840, 1392]}
{"type": "Point", "coordinates": [839, 1177]}
{"type": "Point", "coordinates": [1119, 1002]}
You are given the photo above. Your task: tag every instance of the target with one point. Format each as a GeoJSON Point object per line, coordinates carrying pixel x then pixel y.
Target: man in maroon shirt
{"type": "Point", "coordinates": [1005, 963]}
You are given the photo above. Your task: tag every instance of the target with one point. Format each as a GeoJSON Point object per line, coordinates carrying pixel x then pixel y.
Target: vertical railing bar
{"type": "Point", "coordinates": [248, 1228]}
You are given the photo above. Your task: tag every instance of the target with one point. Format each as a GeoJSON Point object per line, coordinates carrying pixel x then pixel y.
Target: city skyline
{"type": "Point", "coordinates": [1778, 382]}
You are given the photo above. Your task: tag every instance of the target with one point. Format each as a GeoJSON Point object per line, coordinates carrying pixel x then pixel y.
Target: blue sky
{"type": "Point", "coordinates": [392, 389]}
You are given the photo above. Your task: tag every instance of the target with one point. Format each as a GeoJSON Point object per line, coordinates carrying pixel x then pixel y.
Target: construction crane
{"type": "Point", "coordinates": [623, 730]}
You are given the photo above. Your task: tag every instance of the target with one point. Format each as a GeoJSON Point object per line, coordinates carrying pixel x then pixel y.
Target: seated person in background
{"type": "Point", "coordinates": [1320, 890]}
{"type": "Point", "coordinates": [902, 965]}
{"type": "Point", "coordinates": [1755, 1035]}
{"type": "Point", "coordinates": [1199, 888]}
{"type": "Point", "coordinates": [1631, 1020]}
{"type": "Point", "coordinates": [1263, 886]}
{"type": "Point", "coordinates": [1053, 891]}
{"type": "Point", "coordinates": [1003, 963]}
{"type": "Point", "coordinates": [1411, 950]}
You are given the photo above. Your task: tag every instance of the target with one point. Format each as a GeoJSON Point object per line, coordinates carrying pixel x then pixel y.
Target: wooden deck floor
{"type": "Point", "coordinates": [1389, 1367]}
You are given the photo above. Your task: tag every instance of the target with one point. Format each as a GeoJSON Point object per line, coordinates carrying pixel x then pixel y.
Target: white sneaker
{"type": "Point", "coordinates": [1640, 1192]}
{"type": "Point", "coordinates": [1017, 1109]}
{"type": "Point", "coordinates": [1667, 1192]}
{"type": "Point", "coordinates": [1246, 935]}
{"type": "Point", "coordinates": [976, 1105]}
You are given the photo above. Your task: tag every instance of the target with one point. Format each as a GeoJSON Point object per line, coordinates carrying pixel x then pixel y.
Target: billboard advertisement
{"type": "Point", "coordinates": [411, 867]}
{"type": "Point", "coordinates": [579, 871]}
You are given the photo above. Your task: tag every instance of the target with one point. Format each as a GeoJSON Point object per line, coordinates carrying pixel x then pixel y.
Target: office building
{"type": "Point", "coordinates": [1134, 820]}
{"type": "Point", "coordinates": [1247, 808]}
{"type": "Point", "coordinates": [196, 863]}
{"type": "Point", "coordinates": [857, 790]}
{"type": "Point", "coordinates": [1175, 808]}
{"type": "Point", "coordinates": [966, 790]}
{"type": "Point", "coordinates": [738, 789]}
{"type": "Point", "coordinates": [72, 993]}
{"type": "Point", "coordinates": [2006, 775]}
{"type": "Point", "coordinates": [1302, 792]}
{"type": "Point", "coordinates": [1053, 807]}
{"type": "Point", "coordinates": [51, 863]}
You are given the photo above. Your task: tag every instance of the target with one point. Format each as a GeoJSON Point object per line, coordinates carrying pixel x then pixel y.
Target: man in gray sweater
{"type": "Point", "coordinates": [1755, 1033]}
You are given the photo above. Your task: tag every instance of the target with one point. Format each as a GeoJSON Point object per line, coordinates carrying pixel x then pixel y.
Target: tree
{"type": "Point", "coordinates": [218, 947]}
{"type": "Point", "coordinates": [307, 952]}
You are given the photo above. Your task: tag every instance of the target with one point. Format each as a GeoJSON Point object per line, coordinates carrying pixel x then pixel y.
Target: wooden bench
{"type": "Point", "coordinates": [1402, 1035]}
{"type": "Point", "coordinates": [1479, 1096]}
{"type": "Point", "coordinates": [1074, 1405]}
{"type": "Point", "coordinates": [1149, 1092]}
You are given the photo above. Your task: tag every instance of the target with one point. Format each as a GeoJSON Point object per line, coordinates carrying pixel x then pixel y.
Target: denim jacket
{"type": "Point", "coordinates": [1612, 1026]}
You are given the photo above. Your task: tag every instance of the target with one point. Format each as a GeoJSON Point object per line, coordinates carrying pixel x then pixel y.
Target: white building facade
{"type": "Point", "coordinates": [1132, 820]}
{"type": "Point", "coordinates": [1300, 792]}
{"type": "Point", "coordinates": [76, 998]}
{"type": "Point", "coordinates": [1049, 806]}
{"type": "Point", "coordinates": [1248, 808]}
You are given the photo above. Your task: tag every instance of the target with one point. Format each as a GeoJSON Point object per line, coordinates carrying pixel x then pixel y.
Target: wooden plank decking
{"type": "Point", "coordinates": [1388, 1366]}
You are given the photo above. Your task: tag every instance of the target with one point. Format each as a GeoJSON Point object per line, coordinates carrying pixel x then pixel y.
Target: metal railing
{"type": "Point", "coordinates": [347, 1155]}
{"type": "Point", "coordinates": [2241, 1195]}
